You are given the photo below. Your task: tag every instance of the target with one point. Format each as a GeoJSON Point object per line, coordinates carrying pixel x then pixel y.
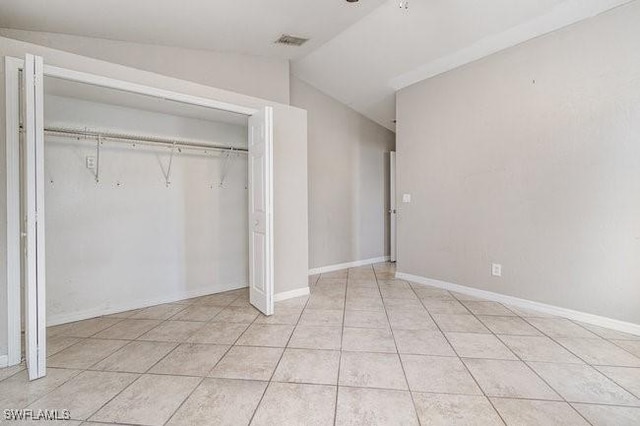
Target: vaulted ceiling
{"type": "Point", "coordinates": [392, 48]}
{"type": "Point", "coordinates": [360, 53]}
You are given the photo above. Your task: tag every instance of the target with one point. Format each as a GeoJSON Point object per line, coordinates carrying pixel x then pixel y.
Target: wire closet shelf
{"type": "Point", "coordinates": [138, 139]}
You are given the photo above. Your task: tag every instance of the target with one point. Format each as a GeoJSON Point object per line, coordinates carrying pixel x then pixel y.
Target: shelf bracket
{"type": "Point", "coordinates": [168, 175]}
{"type": "Point", "coordinates": [98, 143]}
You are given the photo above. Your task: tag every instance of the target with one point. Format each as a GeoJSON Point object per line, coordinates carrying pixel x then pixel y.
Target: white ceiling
{"type": "Point", "coordinates": [392, 48]}
{"type": "Point", "coordinates": [241, 26]}
{"type": "Point", "coordinates": [360, 54]}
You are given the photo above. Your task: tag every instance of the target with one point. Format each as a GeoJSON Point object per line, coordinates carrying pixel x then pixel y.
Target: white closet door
{"type": "Point", "coordinates": [393, 207]}
{"type": "Point", "coordinates": [261, 210]}
{"type": "Point", "coordinates": [34, 216]}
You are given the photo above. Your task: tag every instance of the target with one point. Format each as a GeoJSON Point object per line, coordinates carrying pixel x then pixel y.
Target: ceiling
{"type": "Point", "coordinates": [240, 26]}
{"type": "Point", "coordinates": [89, 92]}
{"type": "Point", "coordinates": [359, 53]}
{"type": "Point", "coordinates": [392, 48]}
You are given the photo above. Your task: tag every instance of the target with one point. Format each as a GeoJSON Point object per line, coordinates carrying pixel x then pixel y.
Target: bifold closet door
{"type": "Point", "coordinates": [33, 166]}
{"type": "Point", "coordinates": [261, 275]}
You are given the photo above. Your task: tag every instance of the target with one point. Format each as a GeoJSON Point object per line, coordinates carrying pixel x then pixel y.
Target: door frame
{"type": "Point", "coordinates": [393, 209]}
{"type": "Point", "coordinates": [12, 125]}
{"type": "Point", "coordinates": [12, 68]}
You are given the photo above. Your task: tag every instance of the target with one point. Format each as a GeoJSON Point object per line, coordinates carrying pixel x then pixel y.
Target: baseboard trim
{"type": "Point", "coordinates": [339, 266]}
{"type": "Point", "coordinates": [137, 304]}
{"type": "Point", "coordinates": [4, 361]}
{"type": "Point", "coordinates": [279, 297]}
{"type": "Point", "coordinates": [585, 317]}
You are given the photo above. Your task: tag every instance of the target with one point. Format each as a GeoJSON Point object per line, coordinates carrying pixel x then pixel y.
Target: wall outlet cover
{"type": "Point", "coordinates": [91, 162]}
{"type": "Point", "coordinates": [496, 269]}
{"type": "Point", "coordinates": [406, 198]}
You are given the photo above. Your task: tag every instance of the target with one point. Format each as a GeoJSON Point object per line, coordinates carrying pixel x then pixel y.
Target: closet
{"type": "Point", "coordinates": [130, 197]}
{"type": "Point", "coordinates": [146, 200]}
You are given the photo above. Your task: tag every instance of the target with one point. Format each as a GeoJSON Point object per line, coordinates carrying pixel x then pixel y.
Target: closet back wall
{"type": "Point", "coordinates": [129, 240]}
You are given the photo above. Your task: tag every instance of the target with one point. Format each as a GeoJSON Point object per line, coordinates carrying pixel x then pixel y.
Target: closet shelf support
{"type": "Point", "coordinates": [145, 140]}
{"type": "Point", "coordinates": [98, 143]}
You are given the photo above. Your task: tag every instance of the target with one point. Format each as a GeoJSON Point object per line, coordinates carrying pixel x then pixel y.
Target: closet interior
{"type": "Point", "coordinates": [146, 200]}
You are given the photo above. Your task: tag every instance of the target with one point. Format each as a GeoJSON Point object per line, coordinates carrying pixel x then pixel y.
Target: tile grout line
{"type": "Point", "coordinates": [266, 388]}
{"type": "Point", "coordinates": [305, 308]}
{"type": "Point", "coordinates": [457, 354]}
{"type": "Point", "coordinates": [344, 314]}
{"type": "Point", "coordinates": [162, 322]}
{"type": "Point", "coordinates": [413, 401]}
{"type": "Point", "coordinates": [207, 375]}
{"type": "Point", "coordinates": [524, 362]}
{"type": "Point", "coordinates": [552, 338]}
{"type": "Point", "coordinates": [139, 374]}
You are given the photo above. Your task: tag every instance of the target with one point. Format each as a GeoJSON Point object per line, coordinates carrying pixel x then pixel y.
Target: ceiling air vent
{"type": "Point", "coordinates": [289, 40]}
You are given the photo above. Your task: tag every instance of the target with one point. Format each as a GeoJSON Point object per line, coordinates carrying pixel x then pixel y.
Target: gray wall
{"type": "Point", "coordinates": [266, 78]}
{"type": "Point", "coordinates": [531, 158]}
{"type": "Point", "coordinates": [348, 180]}
{"type": "Point", "coordinates": [290, 165]}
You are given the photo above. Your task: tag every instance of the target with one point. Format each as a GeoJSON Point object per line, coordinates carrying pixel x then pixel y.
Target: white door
{"type": "Point", "coordinates": [392, 206]}
{"type": "Point", "coordinates": [34, 279]}
{"type": "Point", "coordinates": [261, 210]}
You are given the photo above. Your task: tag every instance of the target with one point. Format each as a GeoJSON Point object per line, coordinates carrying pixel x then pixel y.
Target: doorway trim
{"type": "Point", "coordinates": [12, 67]}
{"type": "Point", "coordinates": [12, 125]}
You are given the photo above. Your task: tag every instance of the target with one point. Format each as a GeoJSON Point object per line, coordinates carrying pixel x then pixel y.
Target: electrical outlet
{"type": "Point", "coordinates": [91, 162]}
{"type": "Point", "coordinates": [406, 198]}
{"type": "Point", "coordinates": [496, 269]}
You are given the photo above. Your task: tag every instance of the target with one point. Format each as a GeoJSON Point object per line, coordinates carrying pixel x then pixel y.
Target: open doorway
{"type": "Point", "coordinates": [168, 192]}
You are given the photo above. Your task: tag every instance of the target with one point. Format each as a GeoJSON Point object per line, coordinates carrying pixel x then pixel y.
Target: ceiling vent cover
{"type": "Point", "coordinates": [289, 40]}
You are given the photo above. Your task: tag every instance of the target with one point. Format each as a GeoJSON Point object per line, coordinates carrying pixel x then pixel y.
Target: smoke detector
{"type": "Point", "coordinates": [289, 40]}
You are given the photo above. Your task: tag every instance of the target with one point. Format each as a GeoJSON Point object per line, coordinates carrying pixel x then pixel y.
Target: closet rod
{"type": "Point", "coordinates": [150, 140]}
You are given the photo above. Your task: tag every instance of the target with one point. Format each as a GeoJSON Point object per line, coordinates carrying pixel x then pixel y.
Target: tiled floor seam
{"type": "Point", "coordinates": [146, 372]}
{"type": "Point", "coordinates": [459, 357]}
{"type": "Point", "coordinates": [477, 317]}
{"type": "Point", "coordinates": [277, 364]}
{"type": "Point", "coordinates": [413, 401]}
{"type": "Point", "coordinates": [583, 360]}
{"type": "Point", "coordinates": [528, 366]}
{"type": "Point", "coordinates": [207, 375]}
{"type": "Point", "coordinates": [344, 315]}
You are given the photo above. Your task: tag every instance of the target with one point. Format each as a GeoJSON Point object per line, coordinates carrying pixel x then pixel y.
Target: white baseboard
{"type": "Point", "coordinates": [136, 304]}
{"type": "Point", "coordinates": [587, 318]}
{"type": "Point", "coordinates": [339, 266]}
{"type": "Point", "coordinates": [279, 297]}
{"type": "Point", "coordinates": [4, 361]}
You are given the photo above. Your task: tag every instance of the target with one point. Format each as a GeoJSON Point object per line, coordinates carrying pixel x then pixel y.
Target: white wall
{"type": "Point", "coordinates": [262, 77]}
{"type": "Point", "coordinates": [130, 240]}
{"type": "Point", "coordinates": [290, 153]}
{"type": "Point", "coordinates": [348, 180]}
{"type": "Point", "coordinates": [531, 158]}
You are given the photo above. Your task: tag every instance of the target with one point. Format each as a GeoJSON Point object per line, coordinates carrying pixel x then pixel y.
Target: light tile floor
{"type": "Point", "coordinates": [364, 348]}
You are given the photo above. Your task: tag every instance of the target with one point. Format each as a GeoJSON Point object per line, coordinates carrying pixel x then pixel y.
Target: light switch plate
{"type": "Point", "coordinates": [406, 198]}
